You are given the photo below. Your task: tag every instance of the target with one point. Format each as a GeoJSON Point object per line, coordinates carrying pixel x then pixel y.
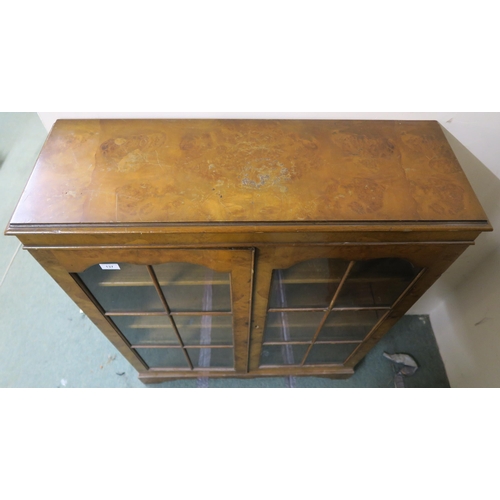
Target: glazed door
{"type": "Point", "coordinates": [317, 308]}
{"type": "Point", "coordinates": [175, 310]}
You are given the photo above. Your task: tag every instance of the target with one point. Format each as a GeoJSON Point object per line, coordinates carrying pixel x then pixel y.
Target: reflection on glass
{"type": "Point", "coordinates": [164, 358]}
{"type": "Point", "coordinates": [329, 353]}
{"type": "Point", "coordinates": [211, 358]}
{"type": "Point", "coordinates": [309, 284]}
{"type": "Point", "coordinates": [349, 325]}
{"type": "Point", "coordinates": [127, 289]}
{"type": "Point", "coordinates": [295, 326]}
{"type": "Point", "coordinates": [282, 354]}
{"type": "Point", "coordinates": [205, 330]}
{"type": "Point", "coordinates": [146, 330]}
{"type": "Point", "coordinates": [189, 287]}
{"type": "Point", "coordinates": [376, 283]}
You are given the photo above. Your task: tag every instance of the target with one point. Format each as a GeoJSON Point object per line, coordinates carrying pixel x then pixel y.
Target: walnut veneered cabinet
{"type": "Point", "coordinates": [244, 248]}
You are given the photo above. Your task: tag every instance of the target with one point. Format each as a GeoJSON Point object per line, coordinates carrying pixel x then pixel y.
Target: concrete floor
{"type": "Point", "coordinates": [46, 342]}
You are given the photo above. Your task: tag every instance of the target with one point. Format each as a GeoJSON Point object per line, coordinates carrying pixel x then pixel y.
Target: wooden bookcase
{"type": "Point", "coordinates": [245, 248]}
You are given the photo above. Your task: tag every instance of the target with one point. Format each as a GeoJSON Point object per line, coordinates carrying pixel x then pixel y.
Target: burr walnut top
{"type": "Point", "coordinates": [246, 171]}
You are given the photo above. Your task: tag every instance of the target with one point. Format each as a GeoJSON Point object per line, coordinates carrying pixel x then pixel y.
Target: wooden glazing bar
{"type": "Point", "coordinates": [306, 342]}
{"type": "Point", "coordinates": [295, 324]}
{"type": "Point", "coordinates": [202, 313]}
{"type": "Point", "coordinates": [324, 309]}
{"type": "Point", "coordinates": [338, 341]}
{"type": "Point", "coordinates": [160, 313]}
{"type": "Point", "coordinates": [158, 288]}
{"type": "Point", "coordinates": [138, 313]}
{"type": "Point", "coordinates": [407, 289]}
{"type": "Point", "coordinates": [94, 301]}
{"type": "Point", "coordinates": [312, 281]}
{"type": "Point", "coordinates": [291, 342]}
{"type": "Point", "coordinates": [330, 307]}
{"type": "Point", "coordinates": [250, 310]}
{"type": "Point", "coordinates": [383, 318]}
{"type": "Point", "coordinates": [163, 346]}
{"type": "Point", "coordinates": [231, 281]}
{"type": "Point", "coordinates": [308, 281]}
{"type": "Point", "coordinates": [185, 327]}
{"type": "Point", "coordinates": [298, 309]}
{"type": "Point", "coordinates": [368, 308]}
{"type": "Point", "coordinates": [167, 308]}
{"type": "Point", "coordinates": [210, 346]}
{"type": "Point", "coordinates": [164, 283]}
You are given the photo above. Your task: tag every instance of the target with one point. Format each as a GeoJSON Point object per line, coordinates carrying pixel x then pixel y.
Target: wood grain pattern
{"type": "Point", "coordinates": [245, 197]}
{"type": "Point", "coordinates": [212, 171]}
{"type": "Point", "coordinates": [434, 258]}
{"type": "Point", "coordinates": [137, 238]}
{"type": "Point", "coordinates": [335, 372]}
{"type": "Point", "coordinates": [238, 262]}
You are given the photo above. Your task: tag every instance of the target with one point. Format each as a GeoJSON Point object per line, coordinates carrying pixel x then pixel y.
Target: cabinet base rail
{"type": "Point", "coordinates": [159, 377]}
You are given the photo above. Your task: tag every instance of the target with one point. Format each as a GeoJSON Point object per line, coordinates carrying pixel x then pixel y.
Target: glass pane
{"type": "Point", "coordinates": [349, 325]}
{"type": "Point", "coordinates": [189, 287]}
{"type": "Point", "coordinates": [146, 330]}
{"type": "Point", "coordinates": [377, 282]}
{"type": "Point", "coordinates": [164, 358]}
{"type": "Point", "coordinates": [286, 326]}
{"type": "Point", "coordinates": [205, 330]}
{"type": "Point", "coordinates": [282, 354]}
{"type": "Point", "coordinates": [329, 353]}
{"type": "Point", "coordinates": [126, 289]}
{"type": "Point", "coordinates": [308, 284]}
{"type": "Point", "coordinates": [211, 358]}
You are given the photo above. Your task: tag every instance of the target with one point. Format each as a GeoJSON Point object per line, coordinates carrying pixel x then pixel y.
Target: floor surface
{"type": "Point", "coordinates": [45, 341]}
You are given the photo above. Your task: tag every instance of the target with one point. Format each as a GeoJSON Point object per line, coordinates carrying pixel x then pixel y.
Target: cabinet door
{"type": "Point", "coordinates": [175, 310]}
{"type": "Point", "coordinates": [320, 308]}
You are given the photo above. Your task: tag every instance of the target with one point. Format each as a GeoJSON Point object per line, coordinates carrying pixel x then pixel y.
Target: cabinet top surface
{"type": "Point", "coordinates": [245, 171]}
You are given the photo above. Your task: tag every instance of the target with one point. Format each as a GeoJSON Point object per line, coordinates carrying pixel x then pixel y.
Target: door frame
{"type": "Point", "coordinates": [64, 264]}
{"type": "Point", "coordinates": [433, 258]}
